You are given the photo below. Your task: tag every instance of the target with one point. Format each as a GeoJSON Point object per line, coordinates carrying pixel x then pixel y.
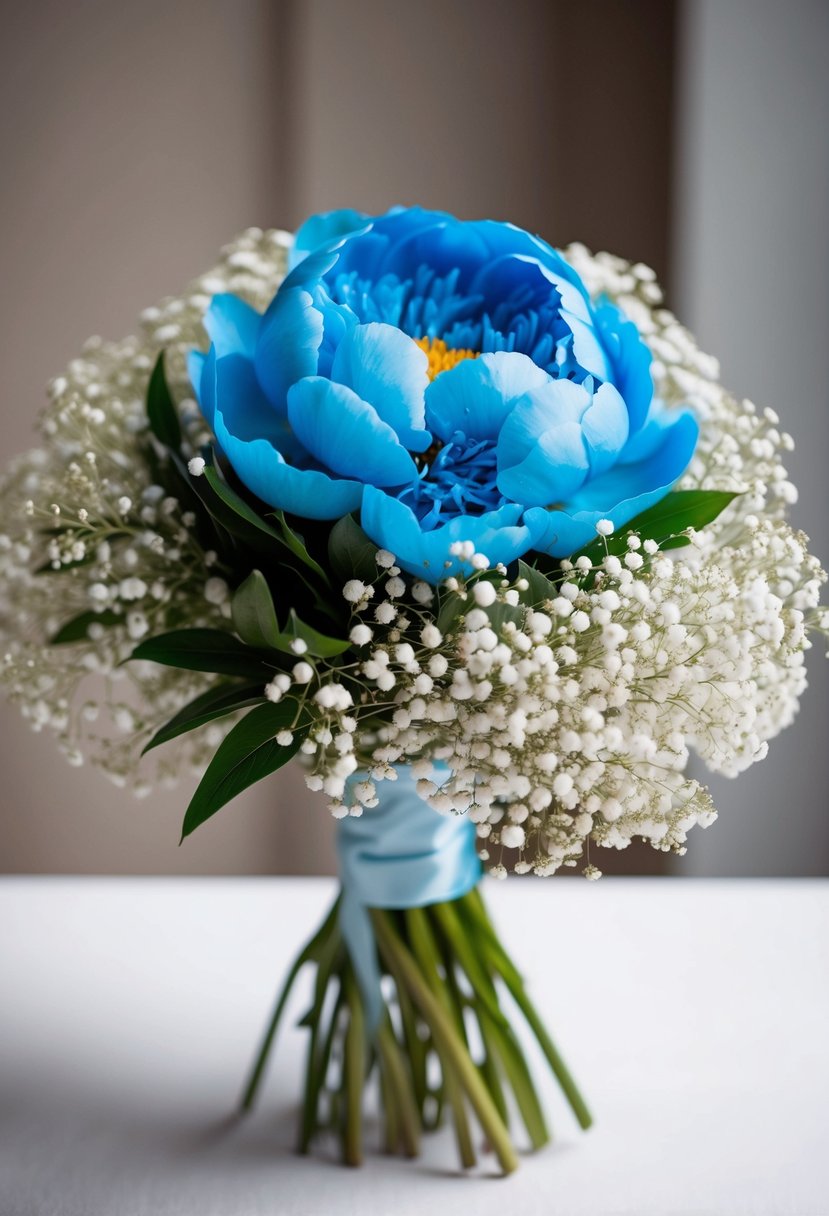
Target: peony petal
{"type": "Point", "coordinates": [425, 554]}
{"type": "Point", "coordinates": [605, 426]}
{"type": "Point", "coordinates": [553, 469]}
{"type": "Point", "coordinates": [232, 325]}
{"type": "Point", "coordinates": [202, 372]}
{"type": "Point", "coordinates": [477, 395]}
{"type": "Point", "coordinates": [245, 410]}
{"type": "Point", "coordinates": [630, 359]}
{"type": "Point", "coordinates": [346, 434]}
{"type": "Point", "coordinates": [388, 370]}
{"type": "Point", "coordinates": [551, 404]}
{"type": "Point", "coordinates": [290, 338]}
{"type": "Point", "coordinates": [324, 229]}
{"type": "Point", "coordinates": [249, 433]}
{"type": "Point", "coordinates": [619, 495]}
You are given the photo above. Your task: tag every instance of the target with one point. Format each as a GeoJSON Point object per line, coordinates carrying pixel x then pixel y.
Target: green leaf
{"type": "Point", "coordinates": [161, 411]}
{"type": "Point", "coordinates": [500, 613]}
{"type": "Point", "coordinates": [319, 644]}
{"type": "Point", "coordinates": [665, 522]}
{"type": "Point", "coordinates": [351, 552]}
{"type": "Point", "coordinates": [210, 650]}
{"type": "Point", "coordinates": [248, 753]}
{"type": "Point", "coordinates": [230, 509]}
{"type": "Point", "coordinates": [254, 616]}
{"type": "Point", "coordinates": [540, 588]}
{"type": "Point", "coordinates": [297, 546]}
{"type": "Point", "coordinates": [451, 606]}
{"type": "Point", "coordinates": [215, 703]}
{"type": "Point", "coordinates": [77, 630]}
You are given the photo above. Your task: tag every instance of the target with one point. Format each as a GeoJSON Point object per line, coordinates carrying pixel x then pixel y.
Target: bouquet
{"type": "Point", "coordinates": [466, 526]}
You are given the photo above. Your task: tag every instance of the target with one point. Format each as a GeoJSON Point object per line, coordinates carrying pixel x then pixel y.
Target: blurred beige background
{"type": "Point", "coordinates": [137, 139]}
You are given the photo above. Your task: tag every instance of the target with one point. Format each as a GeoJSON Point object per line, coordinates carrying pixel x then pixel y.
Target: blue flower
{"type": "Point", "coordinates": [451, 381]}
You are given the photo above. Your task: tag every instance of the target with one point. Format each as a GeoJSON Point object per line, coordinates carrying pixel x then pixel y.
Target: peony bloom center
{"type": "Point", "coordinates": [442, 357]}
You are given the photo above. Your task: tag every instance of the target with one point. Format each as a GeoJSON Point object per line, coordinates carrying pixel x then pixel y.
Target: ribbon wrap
{"type": "Point", "coordinates": [400, 854]}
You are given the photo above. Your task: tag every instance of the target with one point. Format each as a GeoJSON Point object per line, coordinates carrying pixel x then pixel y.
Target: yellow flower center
{"type": "Point", "coordinates": [441, 357]}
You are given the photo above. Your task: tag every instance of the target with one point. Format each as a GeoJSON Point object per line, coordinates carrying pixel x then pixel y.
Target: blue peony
{"type": "Point", "coordinates": [449, 380]}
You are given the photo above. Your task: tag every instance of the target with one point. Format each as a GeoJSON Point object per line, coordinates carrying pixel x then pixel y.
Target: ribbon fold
{"type": "Point", "coordinates": [400, 854]}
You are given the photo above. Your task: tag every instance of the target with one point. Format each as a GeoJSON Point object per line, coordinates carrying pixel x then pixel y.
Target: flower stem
{"type": "Point", "coordinates": [406, 971]}
{"type": "Point", "coordinates": [406, 1110]}
{"type": "Point", "coordinates": [473, 904]}
{"type": "Point", "coordinates": [425, 951]}
{"type": "Point", "coordinates": [354, 1068]}
{"type": "Point", "coordinates": [309, 953]}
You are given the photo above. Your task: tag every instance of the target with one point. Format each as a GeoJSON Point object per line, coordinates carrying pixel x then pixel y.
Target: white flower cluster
{"type": "Point", "coordinates": [572, 720]}
{"type": "Point", "coordinates": [561, 717]}
{"type": "Point", "coordinates": [120, 547]}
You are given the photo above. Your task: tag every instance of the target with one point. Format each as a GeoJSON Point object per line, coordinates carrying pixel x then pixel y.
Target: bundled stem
{"type": "Point", "coordinates": [446, 964]}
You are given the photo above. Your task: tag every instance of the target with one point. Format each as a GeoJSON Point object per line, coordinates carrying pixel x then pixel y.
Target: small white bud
{"type": "Point", "coordinates": [354, 591]}
{"type": "Point", "coordinates": [431, 636]}
{"type": "Point", "coordinates": [361, 635]}
{"type": "Point", "coordinates": [484, 594]}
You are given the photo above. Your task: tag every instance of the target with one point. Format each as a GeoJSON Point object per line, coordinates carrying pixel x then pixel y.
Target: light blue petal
{"type": "Point", "coordinates": [537, 411]}
{"type": "Point", "coordinates": [248, 431]}
{"type": "Point", "coordinates": [425, 554]}
{"type": "Point", "coordinates": [477, 395]}
{"type": "Point", "coordinates": [346, 434]}
{"type": "Point", "coordinates": [390, 371]}
{"type": "Point", "coordinates": [626, 491]}
{"type": "Point", "coordinates": [246, 411]}
{"type": "Point", "coordinates": [232, 325]}
{"type": "Point", "coordinates": [553, 469]}
{"type": "Point", "coordinates": [562, 534]}
{"type": "Point", "coordinates": [651, 435]}
{"type": "Point", "coordinates": [204, 383]}
{"type": "Point", "coordinates": [630, 359]}
{"type": "Point", "coordinates": [325, 228]}
{"type": "Point", "coordinates": [655, 474]}
{"type": "Point", "coordinates": [587, 348]}
{"type": "Point", "coordinates": [605, 426]}
{"type": "Point", "coordinates": [206, 386]}
{"type": "Point", "coordinates": [289, 342]}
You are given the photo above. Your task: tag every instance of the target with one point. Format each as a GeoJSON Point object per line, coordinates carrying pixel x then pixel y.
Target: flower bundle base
{"type": "Point", "coordinates": [444, 1044]}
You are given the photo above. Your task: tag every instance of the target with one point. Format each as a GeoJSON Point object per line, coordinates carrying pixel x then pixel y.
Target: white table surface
{"type": "Point", "coordinates": [694, 1014]}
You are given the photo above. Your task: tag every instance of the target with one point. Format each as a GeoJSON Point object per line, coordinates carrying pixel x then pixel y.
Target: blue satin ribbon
{"type": "Point", "coordinates": [401, 854]}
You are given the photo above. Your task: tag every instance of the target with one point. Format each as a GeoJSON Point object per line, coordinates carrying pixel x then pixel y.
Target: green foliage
{"type": "Point", "coordinates": [540, 588]}
{"type": "Point", "coordinates": [450, 608]}
{"type": "Point", "coordinates": [255, 620]}
{"type": "Point", "coordinates": [254, 615]}
{"type": "Point", "coordinates": [297, 546]}
{"type": "Point", "coordinates": [210, 650]}
{"type": "Point", "coordinates": [664, 523]}
{"type": "Point", "coordinates": [161, 410]}
{"type": "Point", "coordinates": [231, 511]}
{"type": "Point", "coordinates": [248, 753]}
{"type": "Point", "coordinates": [320, 645]}
{"type": "Point", "coordinates": [351, 552]}
{"type": "Point", "coordinates": [215, 703]}
{"type": "Point", "coordinates": [77, 630]}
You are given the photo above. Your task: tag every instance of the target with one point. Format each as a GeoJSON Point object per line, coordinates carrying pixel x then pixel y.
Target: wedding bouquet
{"type": "Point", "coordinates": [467, 526]}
